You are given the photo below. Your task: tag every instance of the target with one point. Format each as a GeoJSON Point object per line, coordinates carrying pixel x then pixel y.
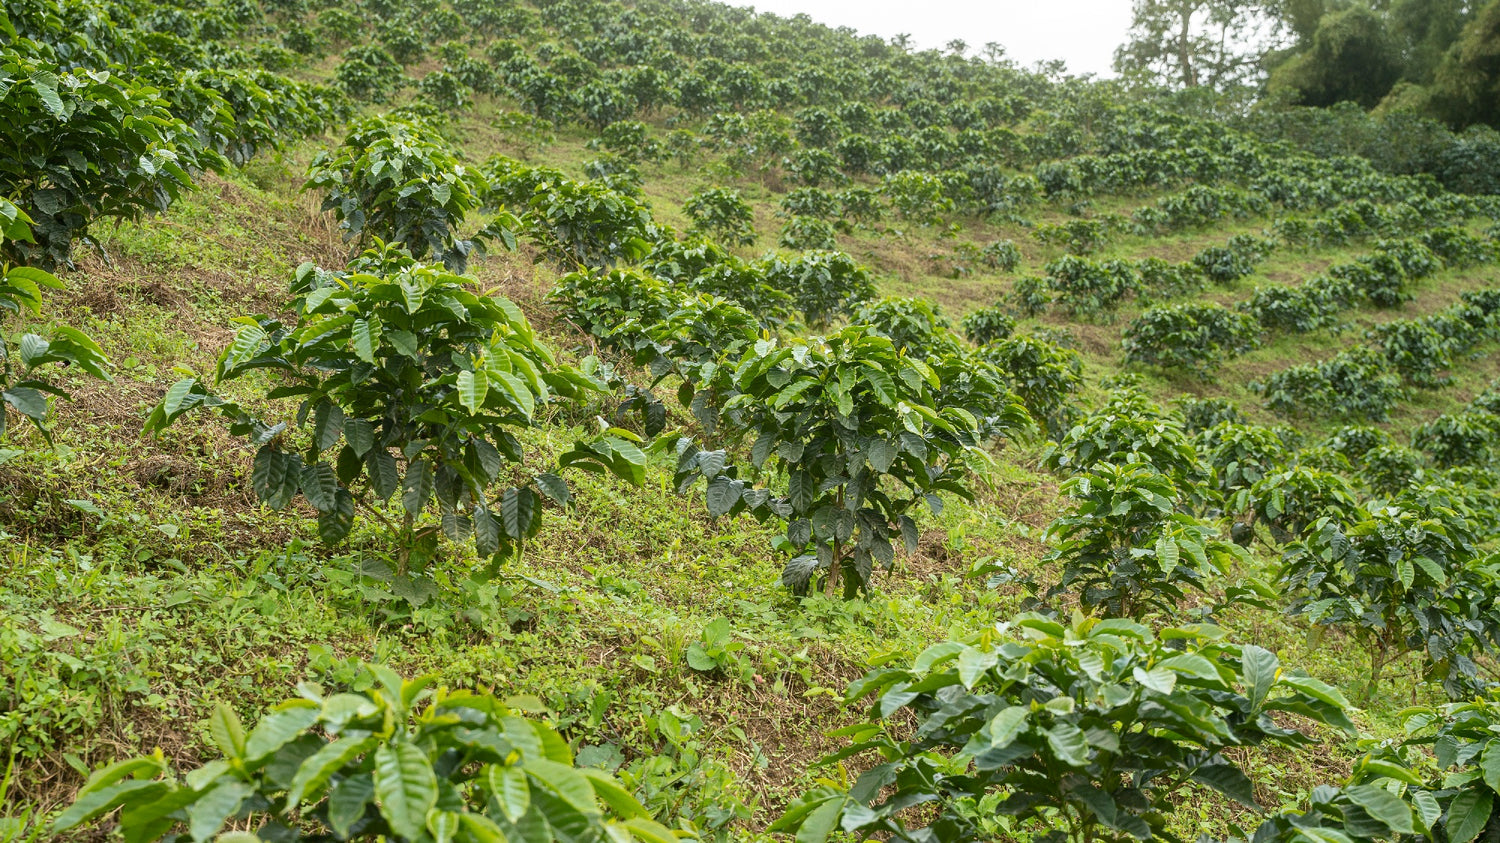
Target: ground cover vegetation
{"type": "Point", "coordinates": [565, 420]}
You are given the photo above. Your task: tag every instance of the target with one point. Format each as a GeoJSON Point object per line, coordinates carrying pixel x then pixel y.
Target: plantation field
{"type": "Point", "coordinates": [784, 434]}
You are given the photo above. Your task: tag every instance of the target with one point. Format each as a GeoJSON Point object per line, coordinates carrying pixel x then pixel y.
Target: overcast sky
{"type": "Point", "coordinates": [1083, 33]}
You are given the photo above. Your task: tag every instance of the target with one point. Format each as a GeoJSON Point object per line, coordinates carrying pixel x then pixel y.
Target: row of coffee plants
{"type": "Point", "coordinates": [1365, 382]}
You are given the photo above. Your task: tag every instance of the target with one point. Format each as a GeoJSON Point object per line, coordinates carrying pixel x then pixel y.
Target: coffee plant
{"type": "Point", "coordinates": [802, 234]}
{"type": "Point", "coordinates": [404, 760]}
{"type": "Point", "coordinates": [722, 213]}
{"type": "Point", "coordinates": [424, 383]}
{"type": "Point", "coordinates": [988, 325]}
{"type": "Point", "coordinates": [1043, 375]}
{"type": "Point", "coordinates": [1125, 549]}
{"type": "Point", "coordinates": [917, 327]}
{"type": "Point", "coordinates": [394, 181]}
{"type": "Point", "coordinates": [24, 386]}
{"type": "Point", "coordinates": [853, 430]}
{"type": "Point", "coordinates": [1072, 732]}
{"type": "Point", "coordinates": [1192, 337]}
{"type": "Point", "coordinates": [823, 284]}
{"type": "Point", "coordinates": [86, 146]}
{"type": "Point", "coordinates": [1403, 578]}
{"type": "Point", "coordinates": [1353, 384]}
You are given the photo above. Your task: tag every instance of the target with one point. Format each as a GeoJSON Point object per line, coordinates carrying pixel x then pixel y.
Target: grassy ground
{"type": "Point", "coordinates": [140, 581]}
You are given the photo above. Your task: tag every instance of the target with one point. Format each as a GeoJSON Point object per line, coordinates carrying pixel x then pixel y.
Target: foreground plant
{"type": "Point", "coordinates": [406, 761]}
{"type": "Point", "coordinates": [1075, 732]}
{"type": "Point", "coordinates": [408, 381]}
{"type": "Point", "coordinates": [24, 387]}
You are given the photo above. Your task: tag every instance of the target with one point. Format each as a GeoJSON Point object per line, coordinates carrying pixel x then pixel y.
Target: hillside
{"type": "Point", "coordinates": [662, 369]}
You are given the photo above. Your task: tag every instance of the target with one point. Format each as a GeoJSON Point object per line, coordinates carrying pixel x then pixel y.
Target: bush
{"type": "Point", "coordinates": [1168, 280]}
{"type": "Point", "coordinates": [368, 73]}
{"type": "Point", "coordinates": [1195, 337]}
{"type": "Point", "coordinates": [1357, 440]}
{"type": "Point", "coordinates": [1088, 288]}
{"type": "Point", "coordinates": [1290, 501]}
{"type": "Point", "coordinates": [445, 92]}
{"type": "Point", "coordinates": [810, 202]}
{"type": "Point", "coordinates": [915, 326]}
{"type": "Point", "coordinates": [586, 224]}
{"type": "Point", "coordinates": [1200, 414]}
{"type": "Point", "coordinates": [1233, 261]}
{"type": "Point", "coordinates": [1292, 310]}
{"type": "Point", "coordinates": [1391, 469]}
{"type": "Point", "coordinates": [1457, 247]}
{"type": "Point", "coordinates": [1124, 549]}
{"type": "Point", "coordinates": [1405, 578]}
{"type": "Point", "coordinates": [823, 284]}
{"type": "Point", "coordinates": [1044, 376]}
{"type": "Point", "coordinates": [1416, 350]}
{"type": "Point", "coordinates": [1077, 237]}
{"type": "Point", "coordinates": [24, 386]}
{"type": "Point", "coordinates": [917, 197]}
{"type": "Point", "coordinates": [1459, 439]}
{"type": "Point", "coordinates": [359, 343]}
{"type": "Point", "coordinates": [806, 234]}
{"type": "Point", "coordinates": [849, 423]}
{"type": "Point", "coordinates": [1352, 384]}
{"type": "Point", "coordinates": [372, 765]}
{"type": "Point", "coordinates": [1239, 456]}
{"type": "Point", "coordinates": [723, 213]}
{"type": "Point", "coordinates": [1081, 732]}
{"type": "Point", "coordinates": [84, 146]}
{"type": "Point", "coordinates": [988, 325]}
{"type": "Point", "coordinates": [1127, 430]}
{"type": "Point", "coordinates": [1002, 255]}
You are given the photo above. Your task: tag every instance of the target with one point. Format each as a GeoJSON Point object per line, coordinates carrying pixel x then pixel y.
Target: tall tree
{"type": "Point", "coordinates": [1188, 43]}
{"type": "Point", "coordinates": [1353, 57]}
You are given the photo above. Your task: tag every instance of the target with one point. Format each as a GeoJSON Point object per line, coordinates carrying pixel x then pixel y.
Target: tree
{"type": "Point", "coordinates": [1188, 43]}
{"type": "Point", "coordinates": [1466, 84]}
{"type": "Point", "coordinates": [1352, 57]}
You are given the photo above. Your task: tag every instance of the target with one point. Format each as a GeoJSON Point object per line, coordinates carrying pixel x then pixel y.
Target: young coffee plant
{"type": "Point", "coordinates": [916, 326]}
{"type": "Point", "coordinates": [1089, 731]}
{"type": "Point", "coordinates": [412, 383]}
{"type": "Point", "coordinates": [1091, 289]}
{"type": "Point", "coordinates": [1125, 549]}
{"type": "Point", "coordinates": [1403, 578]}
{"type": "Point", "coordinates": [81, 146]}
{"type": "Point", "coordinates": [1043, 375]}
{"type": "Point", "coordinates": [722, 213]}
{"type": "Point", "coordinates": [1192, 337]}
{"type": "Point", "coordinates": [1130, 429]}
{"type": "Point", "coordinates": [823, 284]}
{"type": "Point", "coordinates": [988, 325]}
{"type": "Point", "coordinates": [394, 181]}
{"type": "Point", "coordinates": [1239, 456]}
{"type": "Point", "coordinates": [1290, 501]}
{"type": "Point", "coordinates": [1459, 439]}
{"type": "Point", "coordinates": [1455, 746]}
{"type": "Point", "coordinates": [851, 436]}
{"type": "Point", "coordinates": [586, 224]}
{"type": "Point", "coordinates": [24, 384]}
{"type": "Point", "coordinates": [1355, 384]}
{"type": "Point", "coordinates": [803, 234]}
{"type": "Point", "coordinates": [403, 761]}
{"type": "Point", "coordinates": [369, 73]}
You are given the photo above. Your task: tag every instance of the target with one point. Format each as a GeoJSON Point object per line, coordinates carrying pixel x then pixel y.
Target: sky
{"type": "Point", "coordinates": [1083, 33]}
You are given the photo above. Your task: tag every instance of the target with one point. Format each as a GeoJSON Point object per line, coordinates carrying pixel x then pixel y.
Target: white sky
{"type": "Point", "coordinates": [1083, 33]}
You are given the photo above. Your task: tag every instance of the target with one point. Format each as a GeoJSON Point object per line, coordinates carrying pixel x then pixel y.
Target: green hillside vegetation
{"type": "Point", "coordinates": [579, 421]}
